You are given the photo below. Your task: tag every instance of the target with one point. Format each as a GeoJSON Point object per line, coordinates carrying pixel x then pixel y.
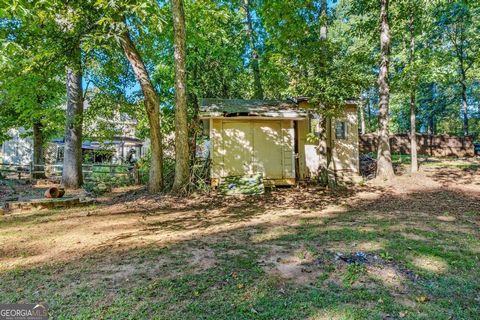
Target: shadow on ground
{"type": "Point", "coordinates": [289, 255]}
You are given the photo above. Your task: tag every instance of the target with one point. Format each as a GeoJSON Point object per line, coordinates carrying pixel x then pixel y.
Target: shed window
{"type": "Point", "coordinates": [340, 130]}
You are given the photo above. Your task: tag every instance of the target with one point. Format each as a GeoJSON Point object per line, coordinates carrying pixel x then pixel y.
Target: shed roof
{"type": "Point", "coordinates": [213, 108]}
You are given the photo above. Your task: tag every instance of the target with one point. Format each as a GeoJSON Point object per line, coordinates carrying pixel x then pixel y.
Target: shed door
{"type": "Point", "coordinates": [264, 147]}
{"type": "Point", "coordinates": [238, 148]}
{"type": "Point", "coordinates": [268, 146]}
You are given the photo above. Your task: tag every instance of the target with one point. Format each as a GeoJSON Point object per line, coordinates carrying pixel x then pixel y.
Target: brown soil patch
{"type": "Point", "coordinates": [293, 264]}
{"type": "Point", "coordinates": [137, 220]}
{"type": "Point", "coordinates": [201, 259]}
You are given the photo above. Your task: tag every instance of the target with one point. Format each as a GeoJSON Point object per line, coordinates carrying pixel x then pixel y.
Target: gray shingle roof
{"type": "Point", "coordinates": [237, 107]}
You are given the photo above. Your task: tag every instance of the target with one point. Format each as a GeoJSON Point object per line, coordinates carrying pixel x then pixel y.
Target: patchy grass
{"type": "Point", "coordinates": [406, 158]}
{"type": "Point", "coordinates": [264, 257]}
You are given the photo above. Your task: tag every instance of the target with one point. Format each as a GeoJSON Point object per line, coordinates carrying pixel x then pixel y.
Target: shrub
{"type": "Point", "coordinates": [103, 179]}
{"type": "Point", "coordinates": [168, 170]}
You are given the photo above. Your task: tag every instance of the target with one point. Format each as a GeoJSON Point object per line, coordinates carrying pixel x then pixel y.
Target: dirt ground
{"type": "Point", "coordinates": [24, 190]}
{"type": "Point", "coordinates": [129, 218]}
{"type": "Point", "coordinates": [410, 232]}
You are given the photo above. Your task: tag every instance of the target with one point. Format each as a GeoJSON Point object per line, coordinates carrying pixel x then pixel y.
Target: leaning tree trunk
{"type": "Point", "coordinates": [413, 109]}
{"type": "Point", "coordinates": [72, 163]}
{"type": "Point", "coordinates": [257, 83]}
{"type": "Point", "coordinates": [384, 161]}
{"type": "Point", "coordinates": [152, 107]}
{"type": "Point", "coordinates": [38, 154]}
{"type": "Point", "coordinates": [182, 172]}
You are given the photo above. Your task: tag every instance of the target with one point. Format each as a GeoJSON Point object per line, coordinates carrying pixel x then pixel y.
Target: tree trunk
{"type": "Point", "coordinates": [72, 176]}
{"type": "Point", "coordinates": [182, 172]}
{"type": "Point", "coordinates": [362, 117]}
{"type": "Point", "coordinates": [323, 20]}
{"type": "Point", "coordinates": [257, 83]}
{"type": "Point", "coordinates": [38, 154]}
{"type": "Point", "coordinates": [369, 112]}
{"type": "Point", "coordinates": [323, 150]}
{"type": "Point", "coordinates": [152, 107]}
{"type": "Point", "coordinates": [413, 117]}
{"type": "Point", "coordinates": [324, 143]}
{"type": "Point", "coordinates": [464, 108]}
{"type": "Point", "coordinates": [384, 161]}
{"type": "Point", "coordinates": [431, 127]}
{"type": "Point", "coordinates": [194, 128]}
{"type": "Point", "coordinates": [413, 133]}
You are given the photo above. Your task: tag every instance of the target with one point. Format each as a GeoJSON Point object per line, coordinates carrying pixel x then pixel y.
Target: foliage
{"type": "Point", "coordinates": [299, 63]}
{"type": "Point", "coordinates": [31, 89]}
{"type": "Point", "coordinates": [37, 39]}
{"type": "Point", "coordinates": [103, 179]}
{"type": "Point", "coordinates": [168, 170]}
{"type": "Point", "coordinates": [354, 271]}
{"type": "Point", "coordinates": [242, 185]}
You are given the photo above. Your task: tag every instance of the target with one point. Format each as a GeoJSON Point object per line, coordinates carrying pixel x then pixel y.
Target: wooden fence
{"type": "Point", "coordinates": [21, 171]}
{"type": "Point", "coordinates": [431, 145]}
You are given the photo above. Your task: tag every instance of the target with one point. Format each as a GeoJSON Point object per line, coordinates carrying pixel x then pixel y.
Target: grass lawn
{"type": "Point", "coordinates": [408, 251]}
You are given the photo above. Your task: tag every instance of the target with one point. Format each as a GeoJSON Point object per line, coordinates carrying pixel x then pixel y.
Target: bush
{"type": "Point", "coordinates": [101, 180]}
{"type": "Point", "coordinates": [168, 170]}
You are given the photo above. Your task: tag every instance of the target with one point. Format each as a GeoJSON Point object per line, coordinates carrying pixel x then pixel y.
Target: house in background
{"type": "Point", "coordinates": [117, 149]}
{"type": "Point", "coordinates": [17, 150]}
{"type": "Point", "coordinates": [248, 137]}
{"type": "Point", "coordinates": [109, 151]}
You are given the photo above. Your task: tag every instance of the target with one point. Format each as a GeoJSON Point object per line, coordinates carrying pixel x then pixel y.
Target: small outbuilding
{"type": "Point", "coordinates": [278, 140]}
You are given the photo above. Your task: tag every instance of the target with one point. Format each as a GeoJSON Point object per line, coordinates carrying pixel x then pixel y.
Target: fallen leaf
{"type": "Point", "coordinates": [422, 299]}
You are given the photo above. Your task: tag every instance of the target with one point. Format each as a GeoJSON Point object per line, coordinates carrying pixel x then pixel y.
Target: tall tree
{"type": "Point", "coordinates": [254, 56]}
{"type": "Point", "coordinates": [182, 172]}
{"type": "Point", "coordinates": [413, 91]}
{"type": "Point", "coordinates": [128, 22]}
{"type": "Point", "coordinates": [152, 107]}
{"type": "Point", "coordinates": [32, 84]}
{"type": "Point", "coordinates": [410, 22]}
{"type": "Point", "coordinates": [324, 148]}
{"type": "Point", "coordinates": [384, 161]}
{"type": "Point", "coordinates": [72, 176]}
{"type": "Point", "coordinates": [75, 21]}
{"type": "Point", "coordinates": [458, 28]}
